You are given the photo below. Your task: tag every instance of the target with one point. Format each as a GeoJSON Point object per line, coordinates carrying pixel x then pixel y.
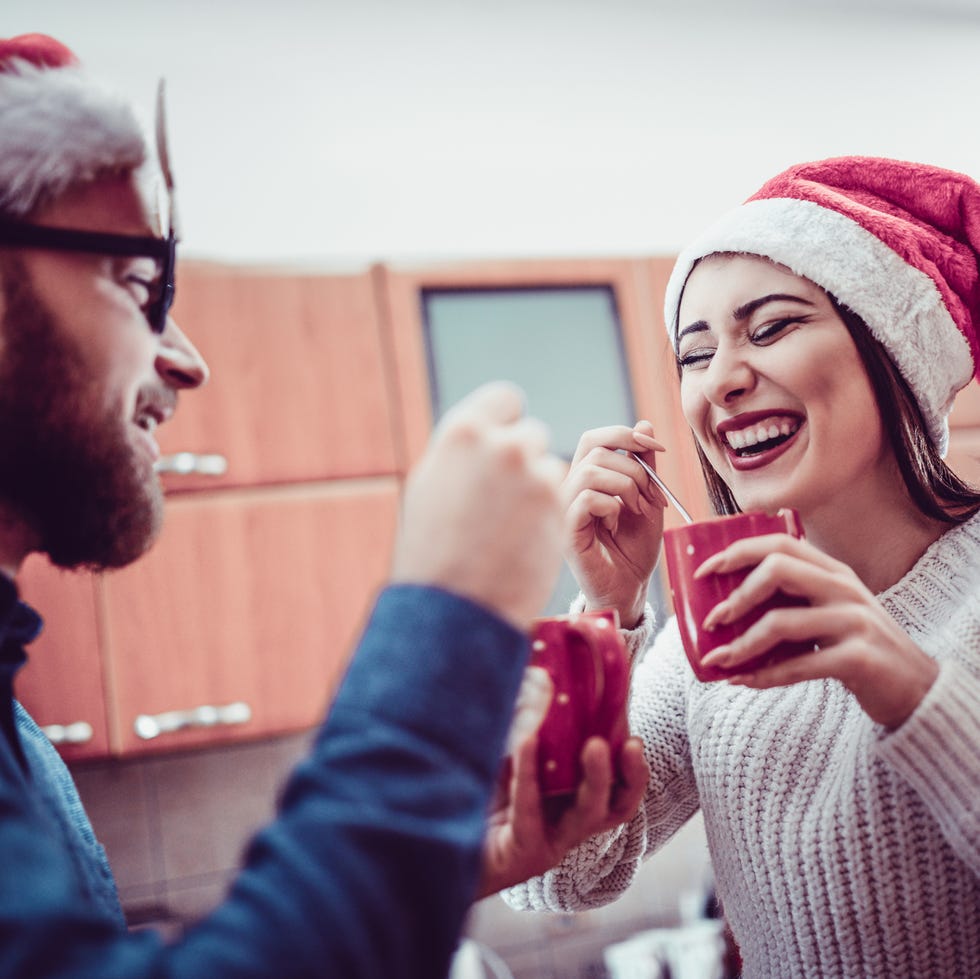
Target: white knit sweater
{"type": "Point", "coordinates": [840, 849]}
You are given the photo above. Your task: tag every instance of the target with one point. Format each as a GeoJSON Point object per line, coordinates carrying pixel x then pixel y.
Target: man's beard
{"type": "Point", "coordinates": [67, 467]}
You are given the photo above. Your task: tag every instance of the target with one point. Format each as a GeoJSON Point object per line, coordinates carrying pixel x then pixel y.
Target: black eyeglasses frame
{"type": "Point", "coordinates": [20, 234]}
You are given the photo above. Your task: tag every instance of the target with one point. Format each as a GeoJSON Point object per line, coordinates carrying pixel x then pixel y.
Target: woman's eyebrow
{"type": "Point", "coordinates": [741, 312]}
{"type": "Point", "coordinates": [697, 327]}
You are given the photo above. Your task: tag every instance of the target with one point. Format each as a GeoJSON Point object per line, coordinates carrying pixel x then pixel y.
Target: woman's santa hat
{"type": "Point", "coordinates": [58, 127]}
{"type": "Point", "coordinates": [896, 242]}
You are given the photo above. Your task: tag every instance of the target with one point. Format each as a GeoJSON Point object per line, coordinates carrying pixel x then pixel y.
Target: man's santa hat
{"type": "Point", "coordinates": [895, 242]}
{"type": "Point", "coordinates": [58, 127]}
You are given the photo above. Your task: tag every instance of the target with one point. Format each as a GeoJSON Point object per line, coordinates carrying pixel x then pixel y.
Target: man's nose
{"type": "Point", "coordinates": [178, 361]}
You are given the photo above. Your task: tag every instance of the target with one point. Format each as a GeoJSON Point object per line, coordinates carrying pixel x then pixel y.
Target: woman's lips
{"type": "Point", "coordinates": [751, 429]}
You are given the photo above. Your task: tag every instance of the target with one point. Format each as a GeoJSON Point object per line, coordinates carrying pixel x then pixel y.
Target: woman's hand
{"type": "Point", "coordinates": [855, 639]}
{"type": "Point", "coordinates": [528, 835]}
{"type": "Point", "coordinates": [613, 518]}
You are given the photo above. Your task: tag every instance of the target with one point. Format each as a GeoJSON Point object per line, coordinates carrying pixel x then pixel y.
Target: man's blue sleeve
{"type": "Point", "coordinates": [373, 860]}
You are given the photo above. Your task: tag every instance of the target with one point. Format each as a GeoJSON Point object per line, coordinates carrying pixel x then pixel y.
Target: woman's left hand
{"type": "Point", "coordinates": [856, 641]}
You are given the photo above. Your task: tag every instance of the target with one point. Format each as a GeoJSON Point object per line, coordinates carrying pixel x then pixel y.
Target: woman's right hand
{"type": "Point", "coordinates": [613, 518]}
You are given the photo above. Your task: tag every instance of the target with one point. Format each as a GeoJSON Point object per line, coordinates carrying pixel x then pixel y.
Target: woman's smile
{"type": "Point", "coordinates": [755, 439]}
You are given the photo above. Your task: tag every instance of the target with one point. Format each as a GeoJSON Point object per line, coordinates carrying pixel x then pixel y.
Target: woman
{"type": "Point", "coordinates": [821, 331]}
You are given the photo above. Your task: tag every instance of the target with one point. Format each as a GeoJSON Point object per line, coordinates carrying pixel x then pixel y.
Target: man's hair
{"type": "Point", "coordinates": [933, 487]}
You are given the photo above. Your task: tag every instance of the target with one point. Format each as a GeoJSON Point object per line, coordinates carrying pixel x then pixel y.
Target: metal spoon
{"type": "Point", "coordinates": [663, 488]}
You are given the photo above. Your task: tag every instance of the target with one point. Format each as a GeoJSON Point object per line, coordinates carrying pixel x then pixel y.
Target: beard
{"type": "Point", "coordinates": [67, 467]}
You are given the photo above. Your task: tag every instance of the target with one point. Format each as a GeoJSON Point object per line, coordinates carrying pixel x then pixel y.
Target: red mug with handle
{"type": "Point", "coordinates": [586, 660]}
{"type": "Point", "coordinates": [689, 546]}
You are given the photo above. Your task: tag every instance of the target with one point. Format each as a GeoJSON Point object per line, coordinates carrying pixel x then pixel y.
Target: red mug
{"type": "Point", "coordinates": [689, 546]}
{"type": "Point", "coordinates": [587, 662]}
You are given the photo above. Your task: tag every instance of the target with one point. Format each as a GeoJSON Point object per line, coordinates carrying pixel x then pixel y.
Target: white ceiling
{"type": "Point", "coordinates": [336, 134]}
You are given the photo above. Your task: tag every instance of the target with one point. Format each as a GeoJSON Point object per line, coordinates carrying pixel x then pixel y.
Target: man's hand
{"type": "Point", "coordinates": [481, 514]}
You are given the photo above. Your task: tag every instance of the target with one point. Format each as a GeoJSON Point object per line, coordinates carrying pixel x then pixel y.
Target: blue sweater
{"type": "Point", "coordinates": [369, 867]}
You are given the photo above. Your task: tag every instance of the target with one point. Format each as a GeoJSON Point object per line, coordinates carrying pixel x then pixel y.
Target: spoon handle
{"type": "Point", "coordinates": [663, 487]}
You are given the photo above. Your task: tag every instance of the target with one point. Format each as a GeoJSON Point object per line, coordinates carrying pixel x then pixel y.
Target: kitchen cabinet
{"type": "Point", "coordinates": [238, 624]}
{"type": "Point", "coordinates": [637, 287]}
{"type": "Point", "coordinates": [299, 386]}
{"type": "Point", "coordinates": [240, 621]}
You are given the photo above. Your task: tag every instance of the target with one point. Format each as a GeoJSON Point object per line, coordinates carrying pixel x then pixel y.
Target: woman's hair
{"type": "Point", "coordinates": [933, 487]}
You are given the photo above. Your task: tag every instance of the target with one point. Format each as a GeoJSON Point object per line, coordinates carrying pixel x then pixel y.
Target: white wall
{"type": "Point", "coordinates": [335, 134]}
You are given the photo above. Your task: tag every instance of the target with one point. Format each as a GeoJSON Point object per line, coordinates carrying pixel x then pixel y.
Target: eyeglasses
{"type": "Point", "coordinates": [162, 250]}
{"type": "Point", "coordinates": [21, 234]}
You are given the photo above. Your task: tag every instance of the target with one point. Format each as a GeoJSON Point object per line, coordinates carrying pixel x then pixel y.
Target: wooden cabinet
{"type": "Point", "coordinates": [638, 288]}
{"type": "Point", "coordinates": [299, 387]}
{"type": "Point", "coordinates": [247, 599]}
{"type": "Point", "coordinates": [251, 599]}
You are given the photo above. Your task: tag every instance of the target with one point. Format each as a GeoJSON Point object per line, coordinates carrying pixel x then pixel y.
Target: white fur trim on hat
{"type": "Point", "coordinates": [900, 304]}
{"type": "Point", "coordinates": [59, 128]}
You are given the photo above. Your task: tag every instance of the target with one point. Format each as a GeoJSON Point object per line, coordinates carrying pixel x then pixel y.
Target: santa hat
{"type": "Point", "coordinates": [58, 127]}
{"type": "Point", "coordinates": [895, 242]}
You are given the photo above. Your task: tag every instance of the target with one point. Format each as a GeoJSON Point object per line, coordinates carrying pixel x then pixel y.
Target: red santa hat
{"type": "Point", "coordinates": [896, 242]}
{"type": "Point", "coordinates": [58, 127]}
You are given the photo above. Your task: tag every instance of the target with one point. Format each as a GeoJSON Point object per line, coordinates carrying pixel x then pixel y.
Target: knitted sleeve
{"type": "Point", "coordinates": [937, 751]}
{"type": "Point", "coordinates": [600, 869]}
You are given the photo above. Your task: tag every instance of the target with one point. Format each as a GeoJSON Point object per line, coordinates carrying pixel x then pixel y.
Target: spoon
{"type": "Point", "coordinates": [663, 488]}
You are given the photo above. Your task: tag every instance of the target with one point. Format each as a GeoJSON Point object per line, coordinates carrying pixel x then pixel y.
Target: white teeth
{"type": "Point", "coordinates": [748, 437]}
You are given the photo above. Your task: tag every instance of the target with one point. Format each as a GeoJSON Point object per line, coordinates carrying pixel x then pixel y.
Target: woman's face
{"type": "Point", "coordinates": [774, 388]}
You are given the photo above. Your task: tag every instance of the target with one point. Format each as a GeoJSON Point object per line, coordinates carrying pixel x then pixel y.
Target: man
{"type": "Point", "coordinates": [374, 857]}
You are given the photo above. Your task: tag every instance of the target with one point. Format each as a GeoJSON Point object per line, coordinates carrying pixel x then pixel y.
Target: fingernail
{"type": "Point", "coordinates": [705, 568]}
{"type": "Point", "coordinates": [717, 616]}
{"type": "Point", "coordinates": [648, 441]}
{"type": "Point", "coordinates": [717, 657]}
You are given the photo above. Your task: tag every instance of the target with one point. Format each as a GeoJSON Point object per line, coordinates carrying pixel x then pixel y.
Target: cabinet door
{"type": "Point", "coordinates": [637, 288]}
{"type": "Point", "coordinates": [247, 598]}
{"type": "Point", "coordinates": [293, 359]}
{"type": "Point", "coordinates": [62, 683]}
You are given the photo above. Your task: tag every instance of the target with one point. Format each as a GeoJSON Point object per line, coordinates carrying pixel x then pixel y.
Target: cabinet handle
{"type": "Point", "coordinates": [149, 726]}
{"type": "Point", "coordinates": [78, 733]}
{"type": "Point", "coordinates": [193, 463]}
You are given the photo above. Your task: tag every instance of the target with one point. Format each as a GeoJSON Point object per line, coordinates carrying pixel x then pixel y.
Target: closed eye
{"type": "Point", "coordinates": [772, 331]}
{"type": "Point", "coordinates": [698, 357]}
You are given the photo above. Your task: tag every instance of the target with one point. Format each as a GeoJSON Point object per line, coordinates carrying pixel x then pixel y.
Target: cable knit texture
{"type": "Point", "coordinates": [840, 848]}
